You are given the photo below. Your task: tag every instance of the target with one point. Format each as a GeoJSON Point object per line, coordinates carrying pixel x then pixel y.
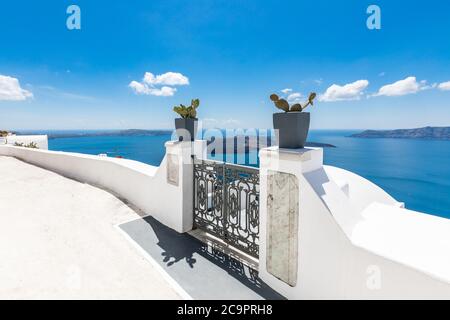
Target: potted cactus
{"type": "Point", "coordinates": [187, 124]}
{"type": "Point", "coordinates": [292, 125]}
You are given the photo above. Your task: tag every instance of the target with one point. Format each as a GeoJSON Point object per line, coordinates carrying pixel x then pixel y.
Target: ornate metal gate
{"type": "Point", "coordinates": [226, 203]}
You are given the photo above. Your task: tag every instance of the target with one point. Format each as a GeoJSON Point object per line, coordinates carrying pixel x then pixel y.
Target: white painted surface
{"type": "Point", "coordinates": [355, 241]}
{"type": "Point", "coordinates": [58, 240]}
{"type": "Point", "coordinates": [40, 140]}
{"type": "Point", "coordinates": [411, 238]}
{"type": "Point", "coordinates": [360, 192]}
{"type": "Point", "coordinates": [142, 185]}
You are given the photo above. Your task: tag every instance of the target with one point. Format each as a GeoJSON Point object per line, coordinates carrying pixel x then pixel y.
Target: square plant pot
{"type": "Point", "coordinates": [186, 129]}
{"type": "Point", "coordinates": [291, 129]}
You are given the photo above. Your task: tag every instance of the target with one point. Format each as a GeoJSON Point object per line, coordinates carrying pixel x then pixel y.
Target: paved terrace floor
{"type": "Point", "coordinates": [58, 240]}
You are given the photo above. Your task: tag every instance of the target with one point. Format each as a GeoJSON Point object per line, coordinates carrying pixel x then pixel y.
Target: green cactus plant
{"type": "Point", "coordinates": [284, 105]}
{"type": "Point", "coordinates": [188, 112]}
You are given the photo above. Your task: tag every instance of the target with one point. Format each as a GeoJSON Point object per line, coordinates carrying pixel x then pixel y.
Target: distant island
{"type": "Point", "coordinates": [429, 133]}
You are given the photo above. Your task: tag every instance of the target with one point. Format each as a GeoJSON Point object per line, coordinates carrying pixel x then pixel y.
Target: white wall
{"type": "Point", "coordinates": [333, 263]}
{"type": "Point", "coordinates": [142, 185]}
{"type": "Point", "coordinates": [40, 140]}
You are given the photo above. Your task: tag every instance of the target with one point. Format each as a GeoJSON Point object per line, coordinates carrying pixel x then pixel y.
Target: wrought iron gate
{"type": "Point", "coordinates": [226, 203]}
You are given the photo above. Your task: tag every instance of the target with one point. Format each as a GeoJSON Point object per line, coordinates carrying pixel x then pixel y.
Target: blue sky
{"type": "Point", "coordinates": [233, 53]}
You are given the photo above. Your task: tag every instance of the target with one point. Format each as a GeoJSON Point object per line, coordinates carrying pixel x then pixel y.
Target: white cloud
{"type": "Point", "coordinates": [294, 97]}
{"type": "Point", "coordinates": [161, 85]}
{"type": "Point", "coordinates": [444, 86]}
{"type": "Point", "coordinates": [168, 78]}
{"type": "Point", "coordinates": [140, 88]}
{"type": "Point", "coordinates": [403, 87]}
{"type": "Point", "coordinates": [163, 91]}
{"type": "Point", "coordinates": [10, 90]}
{"type": "Point", "coordinates": [291, 96]}
{"type": "Point", "coordinates": [351, 91]}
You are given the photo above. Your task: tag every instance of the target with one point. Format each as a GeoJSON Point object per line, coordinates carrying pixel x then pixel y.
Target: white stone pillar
{"type": "Point", "coordinates": [281, 181]}
{"type": "Point", "coordinates": [179, 174]}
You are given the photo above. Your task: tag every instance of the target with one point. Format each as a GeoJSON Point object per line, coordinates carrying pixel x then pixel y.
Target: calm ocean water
{"type": "Point", "coordinates": [416, 172]}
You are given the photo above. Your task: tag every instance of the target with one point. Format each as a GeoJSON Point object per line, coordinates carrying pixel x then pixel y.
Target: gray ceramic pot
{"type": "Point", "coordinates": [291, 129]}
{"type": "Point", "coordinates": [186, 129]}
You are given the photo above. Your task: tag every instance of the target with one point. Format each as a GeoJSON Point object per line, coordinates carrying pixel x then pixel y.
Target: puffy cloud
{"type": "Point", "coordinates": [294, 97]}
{"type": "Point", "coordinates": [445, 86]}
{"type": "Point", "coordinates": [291, 96]}
{"type": "Point", "coordinates": [140, 88]}
{"type": "Point", "coordinates": [168, 78]}
{"type": "Point", "coordinates": [160, 85]}
{"type": "Point", "coordinates": [403, 87]}
{"type": "Point", "coordinates": [163, 91]}
{"type": "Point", "coordinates": [10, 90]}
{"type": "Point", "coordinates": [351, 91]}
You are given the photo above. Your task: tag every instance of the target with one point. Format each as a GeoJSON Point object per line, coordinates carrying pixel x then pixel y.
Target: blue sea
{"type": "Point", "coordinates": [416, 172]}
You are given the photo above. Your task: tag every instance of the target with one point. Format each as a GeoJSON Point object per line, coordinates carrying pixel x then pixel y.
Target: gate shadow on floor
{"type": "Point", "coordinates": [204, 272]}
